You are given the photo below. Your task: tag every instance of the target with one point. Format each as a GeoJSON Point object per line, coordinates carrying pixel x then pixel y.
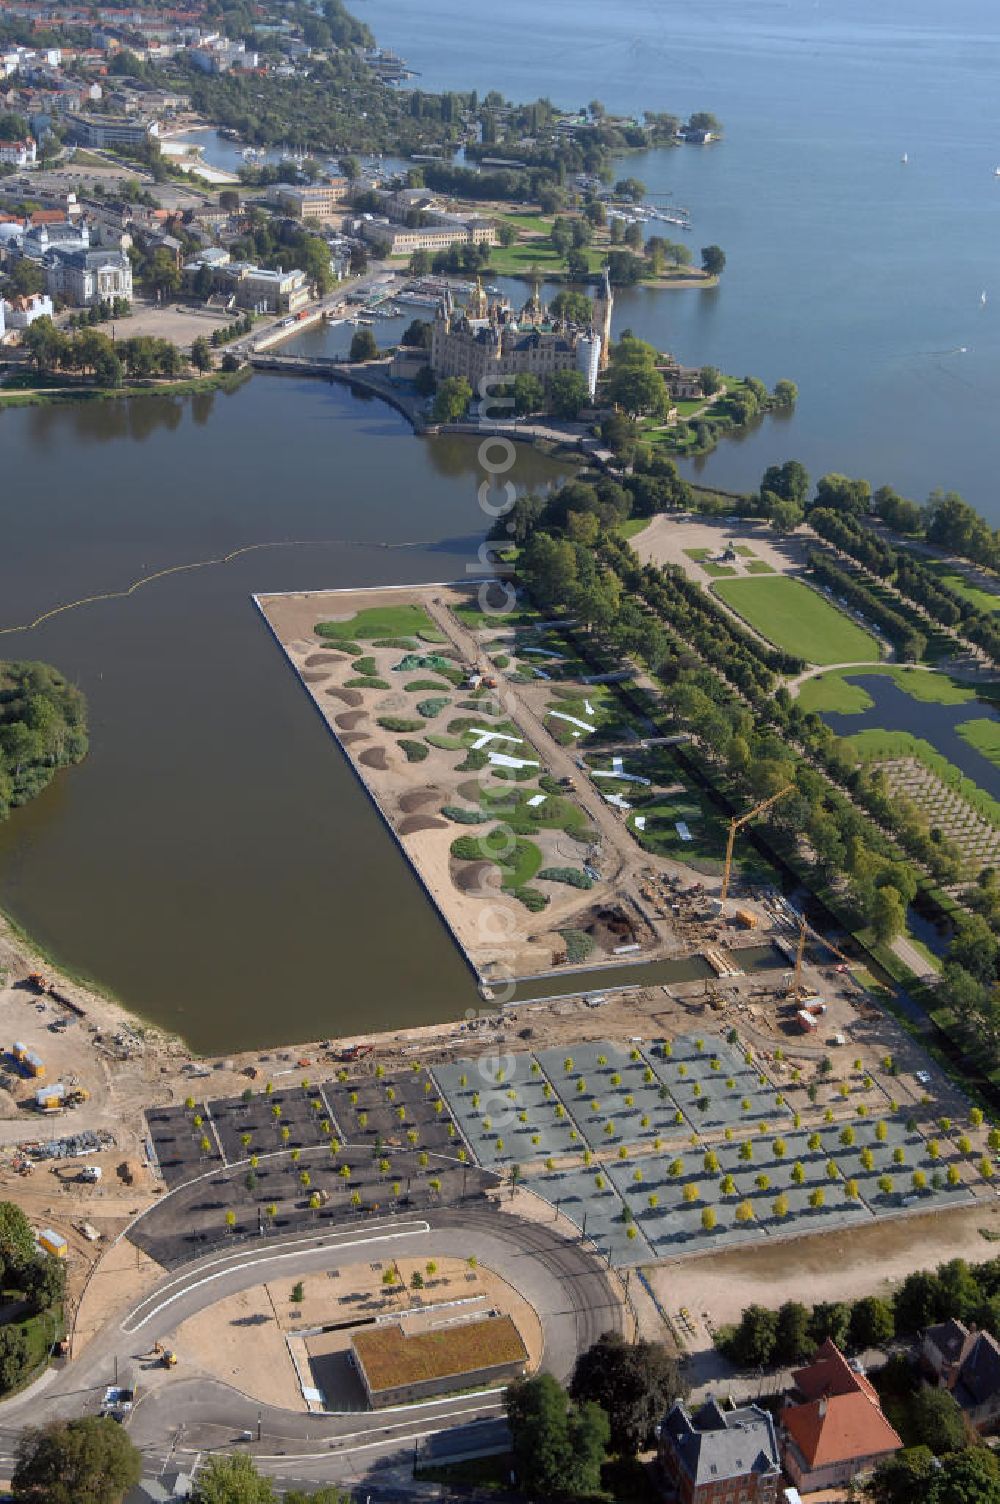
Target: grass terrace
{"type": "Point", "coordinates": [834, 692]}
{"type": "Point", "coordinates": [383, 622]}
{"type": "Point", "coordinates": [799, 620]}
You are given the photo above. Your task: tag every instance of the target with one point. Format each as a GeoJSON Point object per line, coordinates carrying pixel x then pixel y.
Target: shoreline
{"type": "Point", "coordinates": [219, 381]}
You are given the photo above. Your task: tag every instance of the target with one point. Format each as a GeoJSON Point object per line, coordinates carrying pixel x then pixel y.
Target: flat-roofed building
{"type": "Point", "coordinates": [313, 200]}
{"type": "Point", "coordinates": [397, 1367]}
{"type": "Point", "coordinates": [110, 130]}
{"type": "Point", "coordinates": [402, 240]}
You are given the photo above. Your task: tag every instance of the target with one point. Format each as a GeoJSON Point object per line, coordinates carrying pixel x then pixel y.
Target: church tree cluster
{"type": "Point", "coordinates": [43, 727]}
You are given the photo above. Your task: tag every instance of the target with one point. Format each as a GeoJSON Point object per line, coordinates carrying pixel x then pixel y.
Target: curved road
{"type": "Point", "coordinates": [187, 1417]}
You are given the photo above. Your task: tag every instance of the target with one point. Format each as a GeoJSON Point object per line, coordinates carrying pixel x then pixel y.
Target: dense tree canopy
{"type": "Point", "coordinates": [558, 1446]}
{"type": "Point", "coordinates": [88, 1461]}
{"type": "Point", "coordinates": [635, 1383]}
{"type": "Point", "coordinates": [42, 728]}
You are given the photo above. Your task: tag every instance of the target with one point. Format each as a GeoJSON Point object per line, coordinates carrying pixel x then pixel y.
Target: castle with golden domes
{"type": "Point", "coordinates": [487, 340]}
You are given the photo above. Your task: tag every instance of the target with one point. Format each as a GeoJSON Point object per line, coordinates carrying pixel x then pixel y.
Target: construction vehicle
{"type": "Point", "coordinates": [738, 824]}
{"type": "Point", "coordinates": [164, 1355]}
{"type": "Point", "coordinates": [38, 981]}
{"type": "Point", "coordinates": [76, 1096]}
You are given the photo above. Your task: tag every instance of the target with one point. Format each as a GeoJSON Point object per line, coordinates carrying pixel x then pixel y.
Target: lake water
{"type": "Point", "coordinates": [214, 860]}
{"type": "Point", "coordinates": [894, 710]}
{"type": "Point", "coordinates": [851, 274]}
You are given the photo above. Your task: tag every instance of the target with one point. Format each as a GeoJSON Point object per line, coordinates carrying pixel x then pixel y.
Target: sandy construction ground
{"type": "Point", "coordinates": [843, 1265]}
{"type": "Point", "coordinates": [499, 935]}
{"type": "Point", "coordinates": [248, 1339]}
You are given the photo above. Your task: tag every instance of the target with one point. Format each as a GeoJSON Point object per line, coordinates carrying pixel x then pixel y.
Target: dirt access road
{"type": "Point", "coordinates": [622, 858]}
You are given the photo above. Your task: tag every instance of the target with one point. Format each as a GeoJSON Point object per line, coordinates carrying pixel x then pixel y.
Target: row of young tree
{"type": "Point", "coordinates": [43, 727]}
{"type": "Point", "coordinates": [911, 577]}
{"type": "Point", "coordinates": [859, 845]}
{"type": "Point", "coordinates": [909, 641]}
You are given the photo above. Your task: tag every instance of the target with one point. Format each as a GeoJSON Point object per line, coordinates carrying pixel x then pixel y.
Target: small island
{"type": "Point", "coordinates": [43, 727]}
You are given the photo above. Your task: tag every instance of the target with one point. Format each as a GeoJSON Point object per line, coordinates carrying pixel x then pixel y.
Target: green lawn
{"type": "Point", "coordinates": [799, 620]}
{"type": "Point", "coordinates": [832, 692]}
{"type": "Point", "coordinates": [984, 736]}
{"type": "Point", "coordinates": [759, 566]}
{"type": "Point", "coordinates": [632, 526]}
{"type": "Point", "coordinates": [984, 600]}
{"type": "Point", "coordinates": [699, 555]}
{"type": "Point", "coordinates": [717, 571]}
{"type": "Point", "coordinates": [379, 621]}
{"type": "Point", "coordinates": [517, 260]}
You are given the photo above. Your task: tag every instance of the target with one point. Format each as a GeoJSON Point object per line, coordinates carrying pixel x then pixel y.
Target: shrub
{"type": "Point", "coordinates": [433, 707]}
{"type": "Point", "coordinates": [578, 944]}
{"type": "Point", "coordinates": [366, 683]}
{"type": "Point", "coordinates": [416, 685]}
{"type": "Point", "coordinates": [570, 875]}
{"type": "Point", "coordinates": [463, 816]}
{"type": "Point", "coordinates": [366, 665]}
{"type": "Point", "coordinates": [415, 751]}
{"type": "Point", "coordinates": [398, 723]}
{"type": "Point", "coordinates": [533, 901]}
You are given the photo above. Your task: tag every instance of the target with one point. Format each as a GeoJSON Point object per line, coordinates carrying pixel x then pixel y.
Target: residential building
{"type": "Point", "coordinates": [46, 234]}
{"type": "Point", "coordinates": [221, 56]}
{"type": "Point", "coordinates": [19, 153]}
{"type": "Point", "coordinates": [87, 277]}
{"type": "Point", "coordinates": [719, 1456]}
{"type": "Point", "coordinates": [110, 130]}
{"type": "Point", "coordinates": [264, 290]}
{"type": "Point", "coordinates": [398, 1367]}
{"type": "Point", "coordinates": [402, 240]}
{"type": "Point", "coordinates": [315, 201]}
{"type": "Point", "coordinates": [966, 1362]}
{"type": "Point", "coordinates": [489, 340]}
{"type": "Point", "coordinates": [20, 312]}
{"type": "Point", "coordinates": [832, 1426]}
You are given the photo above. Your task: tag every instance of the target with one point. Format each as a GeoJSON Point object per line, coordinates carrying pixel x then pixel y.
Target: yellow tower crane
{"type": "Point", "coordinates": [738, 824]}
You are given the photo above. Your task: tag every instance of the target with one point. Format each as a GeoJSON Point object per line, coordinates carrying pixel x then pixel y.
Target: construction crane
{"type": "Point", "coordinates": [738, 824]}
{"type": "Point", "coordinates": [805, 928]}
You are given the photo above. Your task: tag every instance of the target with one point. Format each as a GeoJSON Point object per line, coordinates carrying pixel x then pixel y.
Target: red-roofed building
{"type": "Point", "coordinates": [833, 1428]}
{"type": "Point", "coordinates": [18, 153]}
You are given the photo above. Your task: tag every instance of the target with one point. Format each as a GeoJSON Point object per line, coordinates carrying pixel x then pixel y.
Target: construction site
{"type": "Point", "coordinates": [513, 779]}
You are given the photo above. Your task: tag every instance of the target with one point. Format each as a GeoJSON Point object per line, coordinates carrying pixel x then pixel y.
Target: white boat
{"type": "Point", "coordinates": [983, 298]}
{"type": "Point", "coordinates": [905, 158]}
{"type": "Point", "coordinates": [996, 172]}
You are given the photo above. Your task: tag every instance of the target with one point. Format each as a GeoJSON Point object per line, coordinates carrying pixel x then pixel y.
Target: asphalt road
{"type": "Point", "coordinates": [184, 1419]}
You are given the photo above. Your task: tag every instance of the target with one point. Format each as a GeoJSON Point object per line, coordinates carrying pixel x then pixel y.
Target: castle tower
{"type": "Point", "coordinates": [478, 307]}
{"type": "Point", "coordinates": [532, 312]}
{"type": "Point", "coordinates": [603, 304]}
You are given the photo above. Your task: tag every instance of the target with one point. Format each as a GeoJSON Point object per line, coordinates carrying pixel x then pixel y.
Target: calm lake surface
{"type": "Point", "coordinates": [853, 275]}
{"type": "Point", "coordinates": [214, 861]}
{"type": "Point", "coordinates": [894, 710]}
